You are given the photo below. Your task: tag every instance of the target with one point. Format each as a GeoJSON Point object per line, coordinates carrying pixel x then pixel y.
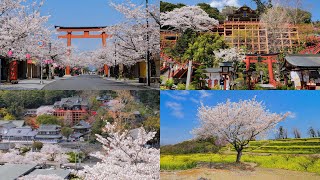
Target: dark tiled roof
{"type": "Point", "coordinates": [304, 61]}
{"type": "Point", "coordinates": [82, 124]}
{"type": "Point", "coordinates": [49, 127]}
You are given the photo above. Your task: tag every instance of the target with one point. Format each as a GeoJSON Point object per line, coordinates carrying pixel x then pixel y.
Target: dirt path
{"type": "Point", "coordinates": [257, 174]}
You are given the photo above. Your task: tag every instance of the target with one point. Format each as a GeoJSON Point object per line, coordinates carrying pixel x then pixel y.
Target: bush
{"type": "Point", "coordinates": [37, 145]}
{"type": "Point", "coordinates": [181, 86]}
{"type": "Point", "coordinates": [169, 83]}
{"type": "Point", "coordinates": [161, 79]}
{"type": "Point", "coordinates": [73, 157]}
{"type": "Point", "coordinates": [191, 87]}
{"type": "Point", "coordinates": [192, 146]}
{"type": "Point", "coordinates": [216, 87]}
{"type": "Point", "coordinates": [257, 87]}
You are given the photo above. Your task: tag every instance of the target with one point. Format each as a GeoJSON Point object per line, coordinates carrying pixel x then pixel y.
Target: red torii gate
{"type": "Point", "coordinates": [264, 58]}
{"type": "Point", "coordinates": [86, 34]}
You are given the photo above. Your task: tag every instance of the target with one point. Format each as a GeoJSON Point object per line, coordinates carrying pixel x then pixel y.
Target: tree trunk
{"type": "Point", "coordinates": [239, 156]}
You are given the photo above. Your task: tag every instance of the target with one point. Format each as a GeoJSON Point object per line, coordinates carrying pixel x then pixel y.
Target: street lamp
{"type": "Point", "coordinates": [225, 70]}
{"type": "Point", "coordinates": [261, 77]}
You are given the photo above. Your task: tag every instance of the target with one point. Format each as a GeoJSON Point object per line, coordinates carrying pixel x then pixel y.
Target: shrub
{"type": "Point", "coordinates": [181, 86]}
{"type": "Point", "coordinates": [191, 87]}
{"type": "Point", "coordinates": [169, 83]}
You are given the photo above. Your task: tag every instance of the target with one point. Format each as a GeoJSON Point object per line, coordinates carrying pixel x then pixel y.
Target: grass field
{"type": "Point", "coordinates": [290, 154]}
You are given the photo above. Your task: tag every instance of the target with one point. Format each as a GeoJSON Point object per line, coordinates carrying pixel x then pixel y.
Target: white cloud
{"type": "Point", "coordinates": [204, 94]}
{"type": "Point", "coordinates": [222, 3]}
{"type": "Point", "coordinates": [174, 95]}
{"type": "Point", "coordinates": [292, 115]}
{"type": "Point", "coordinates": [184, 92]}
{"type": "Point", "coordinates": [194, 100]}
{"type": "Point", "coordinates": [176, 109]}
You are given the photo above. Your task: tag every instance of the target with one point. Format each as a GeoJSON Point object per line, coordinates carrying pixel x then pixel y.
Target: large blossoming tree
{"type": "Point", "coordinates": [125, 156]}
{"type": "Point", "coordinates": [48, 152]}
{"type": "Point", "coordinates": [237, 122]}
{"type": "Point", "coordinates": [188, 17]}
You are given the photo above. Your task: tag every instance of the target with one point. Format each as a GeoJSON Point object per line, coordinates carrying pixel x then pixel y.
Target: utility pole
{"type": "Point", "coordinates": [41, 74]}
{"type": "Point", "coordinates": [50, 59]}
{"type": "Point", "coordinates": [0, 70]}
{"type": "Point", "coordinates": [148, 52]}
{"type": "Point", "coordinates": [115, 59]}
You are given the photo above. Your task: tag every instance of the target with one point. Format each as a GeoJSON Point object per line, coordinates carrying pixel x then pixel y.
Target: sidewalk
{"type": "Point", "coordinates": [26, 84]}
{"type": "Point", "coordinates": [133, 82]}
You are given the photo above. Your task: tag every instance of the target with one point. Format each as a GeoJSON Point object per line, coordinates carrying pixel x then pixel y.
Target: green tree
{"type": "Point", "coordinates": [66, 132]}
{"type": "Point", "coordinates": [211, 11]}
{"type": "Point", "coordinates": [199, 78]}
{"type": "Point", "coordinates": [262, 6]}
{"type": "Point", "coordinates": [9, 117]}
{"type": "Point", "coordinates": [152, 123]}
{"type": "Point", "coordinates": [47, 119]}
{"type": "Point", "coordinates": [166, 6]}
{"type": "Point", "coordinates": [37, 145]}
{"type": "Point", "coordinates": [202, 50]}
{"type": "Point", "coordinates": [97, 126]}
{"type": "Point", "coordinates": [187, 37]}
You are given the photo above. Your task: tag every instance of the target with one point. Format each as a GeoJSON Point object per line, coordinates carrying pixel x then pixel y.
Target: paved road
{"type": "Point", "coordinates": [89, 82]}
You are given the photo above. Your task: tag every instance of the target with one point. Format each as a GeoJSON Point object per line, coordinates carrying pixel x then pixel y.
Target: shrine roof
{"type": "Point", "coordinates": [304, 61]}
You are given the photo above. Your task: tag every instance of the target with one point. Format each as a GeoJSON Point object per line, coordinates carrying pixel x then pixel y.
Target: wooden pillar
{"type": "Point", "coordinates": [247, 63]}
{"type": "Point", "coordinates": [271, 77]}
{"type": "Point", "coordinates": [106, 70]}
{"type": "Point", "coordinates": [104, 44]}
{"type": "Point", "coordinates": [104, 39]}
{"type": "Point", "coordinates": [69, 52]}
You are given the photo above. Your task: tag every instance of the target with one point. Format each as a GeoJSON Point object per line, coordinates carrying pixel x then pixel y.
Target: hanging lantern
{"type": "Point", "coordinates": [28, 56]}
{"type": "Point", "coordinates": [10, 53]}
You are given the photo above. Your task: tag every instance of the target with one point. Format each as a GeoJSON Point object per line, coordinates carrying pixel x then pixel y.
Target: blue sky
{"type": "Point", "coordinates": [179, 109]}
{"type": "Point", "coordinates": [84, 13]}
{"type": "Point", "coordinates": [311, 5]}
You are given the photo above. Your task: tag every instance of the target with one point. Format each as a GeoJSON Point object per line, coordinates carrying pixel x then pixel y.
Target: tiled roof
{"type": "Point", "coordinates": [13, 171]}
{"type": "Point", "coordinates": [82, 124]}
{"type": "Point", "coordinates": [57, 172]}
{"type": "Point", "coordinates": [49, 127]}
{"type": "Point", "coordinates": [304, 61]}
{"type": "Point", "coordinates": [22, 131]}
{"type": "Point", "coordinates": [18, 123]}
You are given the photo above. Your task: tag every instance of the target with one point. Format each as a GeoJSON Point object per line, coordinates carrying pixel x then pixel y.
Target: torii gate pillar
{"type": "Point", "coordinates": [86, 34]}
{"type": "Point", "coordinates": [67, 70]}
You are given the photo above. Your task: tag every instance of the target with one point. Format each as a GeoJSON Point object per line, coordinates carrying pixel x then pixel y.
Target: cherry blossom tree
{"type": "Point", "coordinates": [124, 157]}
{"type": "Point", "coordinates": [48, 152]}
{"type": "Point", "coordinates": [45, 110]}
{"type": "Point", "coordinates": [229, 55]}
{"type": "Point", "coordinates": [22, 26]}
{"type": "Point", "coordinates": [237, 122]}
{"type": "Point", "coordinates": [54, 153]}
{"type": "Point", "coordinates": [129, 37]}
{"type": "Point", "coordinates": [188, 17]}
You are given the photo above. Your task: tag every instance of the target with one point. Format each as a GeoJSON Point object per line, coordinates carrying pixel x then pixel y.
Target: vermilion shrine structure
{"type": "Point", "coordinates": [85, 34]}
{"type": "Point", "coordinates": [269, 59]}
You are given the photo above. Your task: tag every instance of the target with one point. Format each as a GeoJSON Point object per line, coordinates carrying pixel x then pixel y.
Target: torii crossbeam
{"type": "Point", "coordinates": [86, 34]}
